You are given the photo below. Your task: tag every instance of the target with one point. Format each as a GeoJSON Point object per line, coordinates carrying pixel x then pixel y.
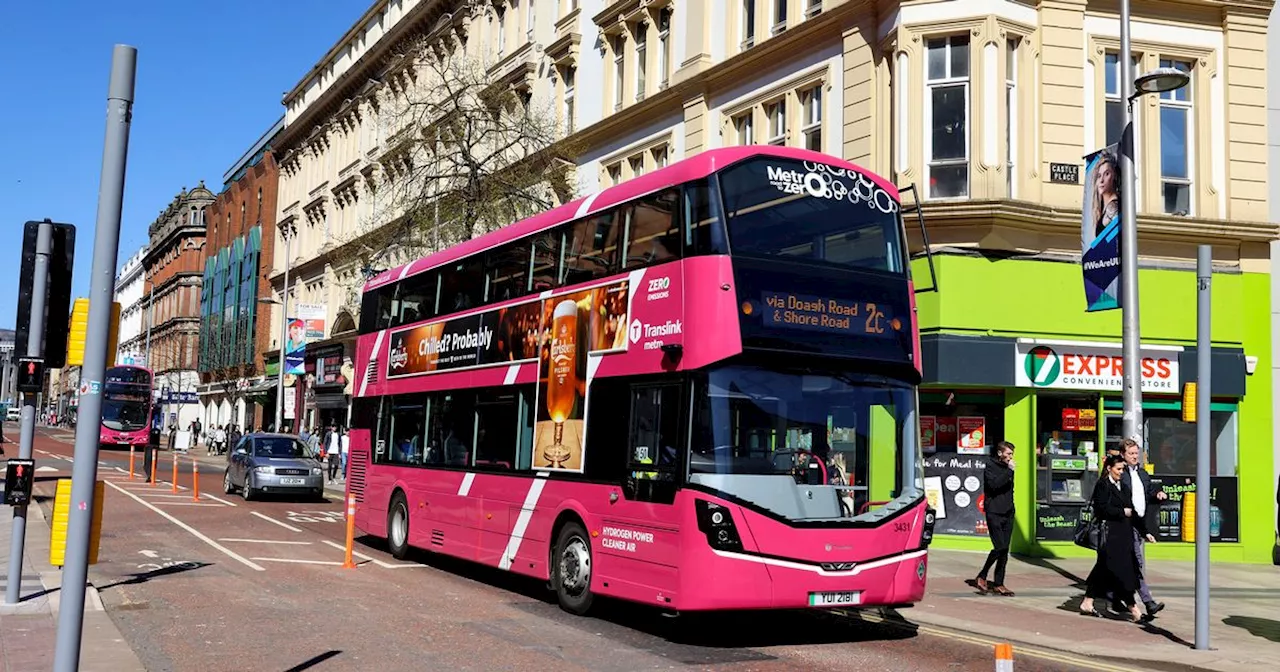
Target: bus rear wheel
{"type": "Point", "coordinates": [571, 569]}
{"type": "Point", "coordinates": [398, 527]}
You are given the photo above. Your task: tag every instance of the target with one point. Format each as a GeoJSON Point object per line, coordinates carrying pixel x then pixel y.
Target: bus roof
{"type": "Point", "coordinates": [687, 170]}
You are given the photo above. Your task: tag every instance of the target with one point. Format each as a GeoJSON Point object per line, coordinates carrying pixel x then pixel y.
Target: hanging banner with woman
{"type": "Point", "coordinates": [1100, 230]}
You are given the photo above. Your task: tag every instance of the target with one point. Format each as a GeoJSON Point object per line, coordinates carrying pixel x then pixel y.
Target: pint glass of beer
{"type": "Point", "coordinates": [562, 376]}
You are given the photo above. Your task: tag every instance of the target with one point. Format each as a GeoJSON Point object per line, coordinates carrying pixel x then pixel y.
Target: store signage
{"type": "Point", "coordinates": [1091, 367]}
{"type": "Point", "coordinates": [1064, 173]}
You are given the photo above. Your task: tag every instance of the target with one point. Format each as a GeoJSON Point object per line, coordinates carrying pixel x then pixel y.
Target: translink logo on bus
{"type": "Point", "coordinates": [653, 332]}
{"type": "Point", "coordinates": [1092, 368]}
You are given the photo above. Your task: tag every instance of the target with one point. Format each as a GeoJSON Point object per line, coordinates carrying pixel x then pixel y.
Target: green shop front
{"type": "Point", "coordinates": [1010, 354]}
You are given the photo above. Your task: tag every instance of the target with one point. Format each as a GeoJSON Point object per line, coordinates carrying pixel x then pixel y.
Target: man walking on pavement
{"type": "Point", "coordinates": [1145, 498]}
{"type": "Point", "coordinates": [997, 495]}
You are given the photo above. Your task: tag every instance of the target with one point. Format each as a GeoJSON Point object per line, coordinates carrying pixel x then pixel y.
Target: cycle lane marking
{"type": "Point", "coordinates": [194, 532]}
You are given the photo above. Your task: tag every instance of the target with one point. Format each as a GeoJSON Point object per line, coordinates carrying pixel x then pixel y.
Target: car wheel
{"type": "Point", "coordinates": [247, 493]}
{"type": "Point", "coordinates": [571, 570]}
{"type": "Point", "coordinates": [398, 527]}
{"type": "Point", "coordinates": [227, 486]}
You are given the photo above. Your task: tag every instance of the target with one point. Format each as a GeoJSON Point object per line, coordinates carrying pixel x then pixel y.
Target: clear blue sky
{"type": "Point", "coordinates": [210, 80]}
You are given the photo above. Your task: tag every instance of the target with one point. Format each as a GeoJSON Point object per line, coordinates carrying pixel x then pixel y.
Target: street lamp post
{"type": "Point", "coordinates": [151, 318]}
{"type": "Point", "coordinates": [1156, 81]}
{"type": "Point", "coordinates": [287, 233]}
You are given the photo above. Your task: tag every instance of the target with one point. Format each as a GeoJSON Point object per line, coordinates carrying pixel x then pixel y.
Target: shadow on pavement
{"type": "Point", "coordinates": [308, 664]}
{"type": "Point", "coordinates": [1076, 581]}
{"type": "Point", "coordinates": [1258, 627]}
{"type": "Point", "coordinates": [143, 577]}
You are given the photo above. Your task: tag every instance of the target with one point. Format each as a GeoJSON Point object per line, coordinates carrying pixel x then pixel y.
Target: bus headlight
{"type": "Point", "coordinates": [717, 524]}
{"type": "Point", "coordinates": [926, 535]}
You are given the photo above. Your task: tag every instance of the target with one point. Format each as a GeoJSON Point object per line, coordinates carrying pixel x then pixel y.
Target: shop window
{"type": "Point", "coordinates": [1171, 443]}
{"type": "Point", "coordinates": [957, 432]}
{"type": "Point", "coordinates": [1067, 440]}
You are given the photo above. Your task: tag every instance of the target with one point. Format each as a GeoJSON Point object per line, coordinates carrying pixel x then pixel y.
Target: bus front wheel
{"type": "Point", "coordinates": [571, 569]}
{"type": "Point", "coordinates": [398, 527]}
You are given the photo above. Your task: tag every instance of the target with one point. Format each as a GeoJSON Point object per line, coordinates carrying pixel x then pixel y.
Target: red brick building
{"type": "Point", "coordinates": [173, 265]}
{"type": "Point", "coordinates": [235, 328]}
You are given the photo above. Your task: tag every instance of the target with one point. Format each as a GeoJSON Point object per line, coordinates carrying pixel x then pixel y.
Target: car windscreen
{"type": "Point", "coordinates": [278, 446]}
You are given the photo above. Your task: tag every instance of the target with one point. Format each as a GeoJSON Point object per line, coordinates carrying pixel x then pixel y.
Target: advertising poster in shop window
{"type": "Point", "coordinates": [1174, 518]}
{"type": "Point", "coordinates": [1100, 229]}
{"type": "Point", "coordinates": [957, 495]}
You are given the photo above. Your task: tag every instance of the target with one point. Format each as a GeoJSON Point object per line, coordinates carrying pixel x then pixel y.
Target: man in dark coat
{"type": "Point", "coordinates": [997, 495]}
{"type": "Point", "coordinates": [1146, 499]}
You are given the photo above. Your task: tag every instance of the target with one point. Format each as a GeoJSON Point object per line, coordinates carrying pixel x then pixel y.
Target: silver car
{"type": "Point", "coordinates": [272, 463]}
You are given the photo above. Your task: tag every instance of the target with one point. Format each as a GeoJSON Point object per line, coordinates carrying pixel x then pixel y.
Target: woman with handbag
{"type": "Point", "coordinates": [1115, 573]}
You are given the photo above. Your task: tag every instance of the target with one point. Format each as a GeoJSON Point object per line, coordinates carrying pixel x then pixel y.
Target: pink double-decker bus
{"type": "Point", "coordinates": [126, 406]}
{"type": "Point", "coordinates": [695, 389]}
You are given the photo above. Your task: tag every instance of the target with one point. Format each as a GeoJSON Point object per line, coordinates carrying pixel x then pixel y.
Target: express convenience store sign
{"type": "Point", "coordinates": [1075, 366]}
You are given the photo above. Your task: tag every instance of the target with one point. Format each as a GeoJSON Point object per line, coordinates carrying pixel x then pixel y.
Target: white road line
{"type": "Point", "coordinates": [188, 504]}
{"type": "Point", "coordinates": [194, 532]}
{"type": "Point", "coordinates": [123, 471]}
{"type": "Point", "coordinates": [218, 499]}
{"type": "Point", "coordinates": [300, 562]}
{"type": "Point", "coordinates": [267, 541]}
{"type": "Point", "coordinates": [273, 520]}
{"type": "Point", "coordinates": [166, 495]}
{"type": "Point", "coordinates": [362, 556]}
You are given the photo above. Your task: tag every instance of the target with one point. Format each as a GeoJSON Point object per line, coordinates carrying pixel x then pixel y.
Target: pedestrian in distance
{"type": "Point", "coordinates": [333, 450]}
{"type": "Point", "coordinates": [1145, 501]}
{"type": "Point", "coordinates": [1115, 573]}
{"type": "Point", "coordinates": [997, 495]}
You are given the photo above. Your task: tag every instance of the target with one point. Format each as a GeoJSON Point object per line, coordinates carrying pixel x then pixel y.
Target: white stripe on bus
{"type": "Point", "coordinates": [512, 372]}
{"type": "Point", "coordinates": [522, 523]}
{"type": "Point", "coordinates": [585, 206]}
{"type": "Point", "coordinates": [465, 488]}
{"type": "Point", "coordinates": [377, 347]}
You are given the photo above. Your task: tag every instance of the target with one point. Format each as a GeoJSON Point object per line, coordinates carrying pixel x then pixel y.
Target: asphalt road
{"type": "Point", "coordinates": [220, 583]}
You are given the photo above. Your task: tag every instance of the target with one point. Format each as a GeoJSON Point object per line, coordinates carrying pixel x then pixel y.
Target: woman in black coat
{"type": "Point", "coordinates": [1116, 571]}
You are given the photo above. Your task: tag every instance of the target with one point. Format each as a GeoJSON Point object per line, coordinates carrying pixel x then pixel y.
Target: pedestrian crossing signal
{"type": "Point", "coordinates": [30, 374]}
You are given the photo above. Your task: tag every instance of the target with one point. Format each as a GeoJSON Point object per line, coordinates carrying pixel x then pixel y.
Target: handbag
{"type": "Point", "coordinates": [1088, 529]}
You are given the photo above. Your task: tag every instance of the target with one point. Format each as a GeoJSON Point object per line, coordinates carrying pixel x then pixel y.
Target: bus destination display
{"type": "Point", "coordinates": [833, 315]}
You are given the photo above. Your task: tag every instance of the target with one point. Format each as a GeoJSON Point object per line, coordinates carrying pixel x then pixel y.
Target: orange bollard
{"type": "Point", "coordinates": [155, 459]}
{"type": "Point", "coordinates": [131, 449]}
{"type": "Point", "coordinates": [348, 563]}
{"type": "Point", "coordinates": [175, 469]}
{"type": "Point", "coordinates": [195, 479]}
{"type": "Point", "coordinates": [1004, 658]}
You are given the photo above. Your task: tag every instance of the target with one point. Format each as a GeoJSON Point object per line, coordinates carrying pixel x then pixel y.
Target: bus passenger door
{"type": "Point", "coordinates": [654, 443]}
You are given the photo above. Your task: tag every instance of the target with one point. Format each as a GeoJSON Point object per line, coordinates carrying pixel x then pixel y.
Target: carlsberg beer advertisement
{"type": "Point", "coordinates": [1100, 230]}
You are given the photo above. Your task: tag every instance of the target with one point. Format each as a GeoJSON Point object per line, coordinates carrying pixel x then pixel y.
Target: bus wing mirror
{"type": "Point", "coordinates": [917, 208]}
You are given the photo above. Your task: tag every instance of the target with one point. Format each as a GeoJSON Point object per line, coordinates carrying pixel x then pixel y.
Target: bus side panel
{"type": "Point", "coordinates": [442, 518]}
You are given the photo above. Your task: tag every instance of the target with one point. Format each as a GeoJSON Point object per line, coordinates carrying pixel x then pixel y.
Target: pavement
{"type": "Point", "coordinates": [28, 629]}
{"type": "Point", "coordinates": [1244, 621]}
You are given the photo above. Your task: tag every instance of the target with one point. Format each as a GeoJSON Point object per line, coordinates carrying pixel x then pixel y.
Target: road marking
{"type": "Point", "coordinates": [218, 499]}
{"type": "Point", "coordinates": [1022, 649]}
{"type": "Point", "coordinates": [188, 503]}
{"type": "Point", "coordinates": [194, 532]}
{"type": "Point", "coordinates": [300, 562]}
{"type": "Point", "coordinates": [165, 494]}
{"type": "Point", "coordinates": [362, 556]}
{"type": "Point", "coordinates": [121, 470]}
{"type": "Point", "coordinates": [286, 526]}
{"type": "Point", "coordinates": [267, 541]}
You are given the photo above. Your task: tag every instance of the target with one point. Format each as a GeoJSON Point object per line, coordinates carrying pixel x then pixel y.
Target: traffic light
{"type": "Point", "coordinates": [30, 375]}
{"type": "Point", "coordinates": [57, 295]}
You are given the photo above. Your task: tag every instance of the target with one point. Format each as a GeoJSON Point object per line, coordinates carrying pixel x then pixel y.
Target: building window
{"type": "Point", "coordinates": [660, 156]}
{"type": "Point", "coordinates": [1175, 144]}
{"type": "Point", "coordinates": [743, 125]}
{"type": "Point", "coordinates": [664, 46]}
{"type": "Point", "coordinates": [777, 114]}
{"type": "Point", "coordinates": [569, 75]}
{"type": "Point", "coordinates": [1011, 114]}
{"type": "Point", "coordinates": [1114, 98]}
{"type": "Point", "coordinates": [529, 18]}
{"type": "Point", "coordinates": [946, 116]}
{"type": "Point", "coordinates": [642, 39]}
{"type": "Point", "coordinates": [748, 28]}
{"type": "Point", "coordinates": [615, 174]}
{"type": "Point", "coordinates": [811, 103]}
{"type": "Point", "coordinates": [779, 16]}
{"type": "Point", "coordinates": [619, 69]}
{"type": "Point", "coordinates": [502, 31]}
{"type": "Point", "coordinates": [814, 8]}
{"type": "Point", "coordinates": [637, 165]}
